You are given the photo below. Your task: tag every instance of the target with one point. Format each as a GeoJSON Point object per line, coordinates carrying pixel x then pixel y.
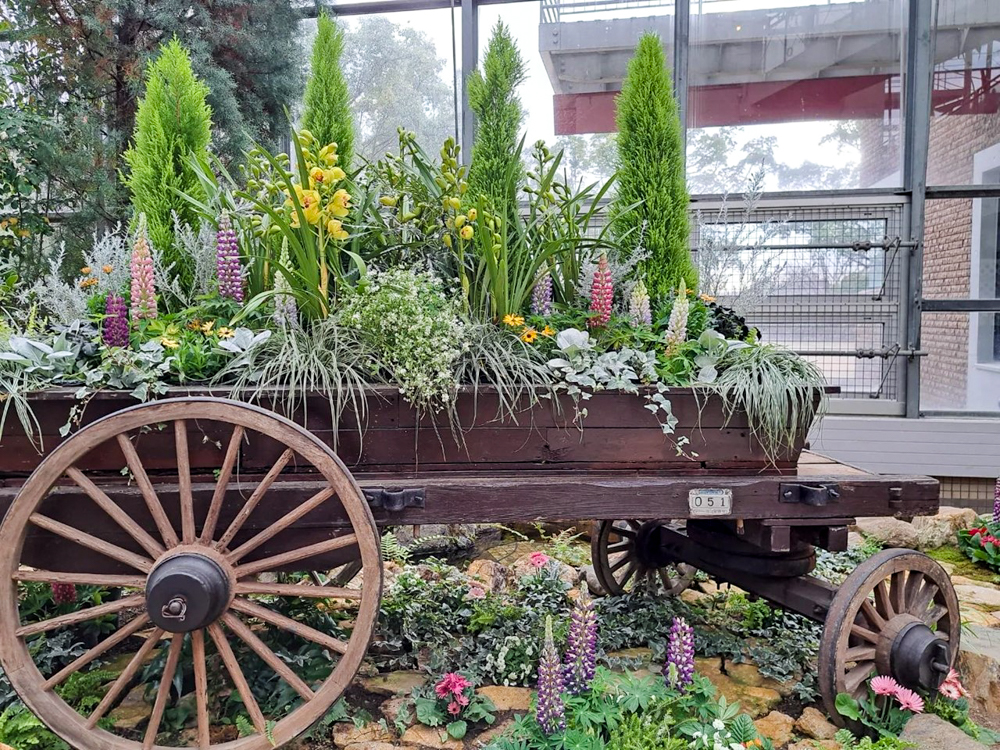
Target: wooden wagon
{"type": "Point", "coordinates": [185, 504]}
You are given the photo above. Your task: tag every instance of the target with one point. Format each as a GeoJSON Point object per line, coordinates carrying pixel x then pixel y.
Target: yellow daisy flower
{"type": "Point", "coordinates": [513, 320]}
{"type": "Point", "coordinates": [225, 332]}
{"type": "Point", "coordinates": [529, 335]}
{"type": "Point", "coordinates": [548, 331]}
{"type": "Point", "coordinates": [169, 343]}
{"type": "Point", "coordinates": [207, 327]}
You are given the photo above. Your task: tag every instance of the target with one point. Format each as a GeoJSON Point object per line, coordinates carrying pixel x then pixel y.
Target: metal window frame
{"type": "Point", "coordinates": [917, 69]}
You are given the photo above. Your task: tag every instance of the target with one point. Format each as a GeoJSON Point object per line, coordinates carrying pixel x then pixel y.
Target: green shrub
{"type": "Point", "coordinates": [173, 123]}
{"type": "Point", "coordinates": [650, 206]}
{"type": "Point", "coordinates": [981, 545]}
{"type": "Point", "coordinates": [496, 172]}
{"type": "Point", "coordinates": [327, 113]}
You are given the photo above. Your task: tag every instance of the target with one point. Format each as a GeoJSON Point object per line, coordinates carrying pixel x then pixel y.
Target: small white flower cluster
{"type": "Point", "coordinates": [521, 661]}
{"type": "Point", "coordinates": [718, 739]}
{"type": "Point", "coordinates": [415, 330]}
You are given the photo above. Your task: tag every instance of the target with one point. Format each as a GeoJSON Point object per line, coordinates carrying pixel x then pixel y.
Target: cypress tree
{"type": "Point", "coordinates": [495, 170]}
{"type": "Point", "coordinates": [173, 121]}
{"type": "Point", "coordinates": [327, 113]}
{"type": "Point", "coordinates": [651, 170]}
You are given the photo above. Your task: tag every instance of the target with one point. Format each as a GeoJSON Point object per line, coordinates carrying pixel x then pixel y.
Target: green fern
{"type": "Point", "coordinates": [84, 690]}
{"type": "Point", "coordinates": [393, 551]}
{"type": "Point", "coordinates": [244, 727]}
{"type": "Point", "coordinates": [21, 729]}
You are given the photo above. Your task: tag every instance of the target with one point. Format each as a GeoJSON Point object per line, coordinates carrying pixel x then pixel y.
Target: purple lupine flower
{"type": "Point", "coordinates": [679, 669]}
{"type": "Point", "coordinates": [996, 502]}
{"type": "Point", "coordinates": [115, 331]}
{"type": "Point", "coordinates": [581, 645]}
{"type": "Point", "coordinates": [541, 295]}
{"type": "Point", "coordinates": [227, 261]}
{"type": "Point", "coordinates": [550, 711]}
{"type": "Point", "coordinates": [638, 305]}
{"type": "Point", "coordinates": [143, 288]}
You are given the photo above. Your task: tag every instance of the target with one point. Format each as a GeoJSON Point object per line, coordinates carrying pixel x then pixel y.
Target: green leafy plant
{"type": "Point", "coordinates": [982, 544]}
{"type": "Point", "coordinates": [21, 729]}
{"type": "Point", "coordinates": [651, 202]}
{"type": "Point", "coordinates": [849, 742]}
{"type": "Point", "coordinates": [327, 113]}
{"type": "Point", "coordinates": [452, 702]}
{"type": "Point", "coordinates": [173, 122]}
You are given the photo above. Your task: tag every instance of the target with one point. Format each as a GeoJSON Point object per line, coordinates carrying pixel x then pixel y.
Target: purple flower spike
{"type": "Point", "coordinates": [115, 332]}
{"type": "Point", "coordinates": [541, 296]}
{"type": "Point", "coordinates": [679, 670]}
{"type": "Point", "coordinates": [996, 502]}
{"type": "Point", "coordinates": [227, 261]}
{"type": "Point", "coordinates": [581, 645]}
{"type": "Point", "coordinates": [550, 712]}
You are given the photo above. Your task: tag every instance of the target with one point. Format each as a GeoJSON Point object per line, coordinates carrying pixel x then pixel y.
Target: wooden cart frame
{"type": "Point", "coordinates": [215, 493]}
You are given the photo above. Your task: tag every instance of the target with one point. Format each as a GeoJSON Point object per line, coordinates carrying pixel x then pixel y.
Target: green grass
{"type": "Point", "coordinates": [963, 565]}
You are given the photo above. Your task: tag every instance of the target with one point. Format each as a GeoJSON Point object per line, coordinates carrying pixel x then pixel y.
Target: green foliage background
{"type": "Point", "coordinates": [651, 173]}
{"type": "Point", "coordinates": [173, 122]}
{"type": "Point", "coordinates": [327, 102]}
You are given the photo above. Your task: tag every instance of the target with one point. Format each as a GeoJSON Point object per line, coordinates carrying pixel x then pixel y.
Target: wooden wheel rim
{"type": "Point", "coordinates": [615, 577]}
{"type": "Point", "coordinates": [851, 609]}
{"type": "Point", "coordinates": [18, 664]}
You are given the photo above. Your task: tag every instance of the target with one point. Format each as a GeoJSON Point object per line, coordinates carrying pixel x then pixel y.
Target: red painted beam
{"type": "Point", "coordinates": [848, 98]}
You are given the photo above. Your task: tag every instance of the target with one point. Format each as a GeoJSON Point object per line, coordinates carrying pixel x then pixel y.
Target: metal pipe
{"type": "Point", "coordinates": [862, 353]}
{"type": "Point", "coordinates": [682, 34]}
{"type": "Point", "coordinates": [859, 246]}
{"type": "Point", "coordinates": [470, 55]}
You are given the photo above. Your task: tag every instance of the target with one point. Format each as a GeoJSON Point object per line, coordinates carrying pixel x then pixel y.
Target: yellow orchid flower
{"type": "Point", "coordinates": [340, 203]}
{"type": "Point", "coordinates": [466, 232]}
{"type": "Point", "coordinates": [309, 200]}
{"type": "Point", "coordinates": [336, 230]}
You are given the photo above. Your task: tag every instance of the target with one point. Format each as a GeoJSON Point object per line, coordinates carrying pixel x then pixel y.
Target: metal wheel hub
{"type": "Point", "coordinates": [650, 546]}
{"type": "Point", "coordinates": [186, 592]}
{"type": "Point", "coordinates": [917, 657]}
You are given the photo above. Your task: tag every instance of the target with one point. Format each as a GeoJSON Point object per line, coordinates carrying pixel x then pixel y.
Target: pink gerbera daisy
{"type": "Point", "coordinates": [952, 686]}
{"type": "Point", "coordinates": [882, 685]}
{"type": "Point", "coordinates": [454, 709]}
{"type": "Point", "coordinates": [910, 700]}
{"type": "Point", "coordinates": [539, 559]}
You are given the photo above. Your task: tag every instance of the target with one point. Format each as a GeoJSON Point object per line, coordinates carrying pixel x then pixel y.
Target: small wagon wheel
{"type": "Point", "coordinates": [197, 583]}
{"type": "Point", "coordinates": [896, 614]}
{"type": "Point", "coordinates": [627, 554]}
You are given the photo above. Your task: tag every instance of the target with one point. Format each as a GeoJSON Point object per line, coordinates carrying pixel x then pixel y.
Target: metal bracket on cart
{"type": "Point", "coordinates": [808, 494]}
{"type": "Point", "coordinates": [394, 501]}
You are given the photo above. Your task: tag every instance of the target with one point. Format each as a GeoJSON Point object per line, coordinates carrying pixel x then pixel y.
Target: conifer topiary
{"type": "Point", "coordinates": [495, 171]}
{"type": "Point", "coordinates": [651, 173]}
{"type": "Point", "coordinates": [327, 102]}
{"type": "Point", "coordinates": [173, 122]}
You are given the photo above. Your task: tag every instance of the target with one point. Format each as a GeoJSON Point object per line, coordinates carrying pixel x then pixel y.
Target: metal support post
{"type": "Point", "coordinates": [682, 34]}
{"type": "Point", "coordinates": [470, 55]}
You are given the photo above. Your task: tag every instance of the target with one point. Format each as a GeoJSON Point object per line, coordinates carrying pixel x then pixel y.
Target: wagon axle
{"type": "Point", "coordinates": [186, 592]}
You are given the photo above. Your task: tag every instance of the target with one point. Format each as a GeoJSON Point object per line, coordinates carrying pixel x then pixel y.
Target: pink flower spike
{"type": "Point", "coordinates": [882, 685]}
{"type": "Point", "coordinates": [539, 559]}
{"type": "Point", "coordinates": [910, 700]}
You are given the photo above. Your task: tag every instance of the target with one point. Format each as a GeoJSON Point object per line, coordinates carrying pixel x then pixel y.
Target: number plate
{"type": "Point", "coordinates": [710, 502]}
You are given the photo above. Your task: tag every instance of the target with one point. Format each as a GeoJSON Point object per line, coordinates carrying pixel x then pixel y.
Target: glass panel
{"type": "Point", "coordinates": [809, 91]}
{"type": "Point", "coordinates": [962, 369]}
{"type": "Point", "coordinates": [961, 244]}
{"type": "Point", "coordinates": [965, 129]}
{"type": "Point", "coordinates": [399, 69]}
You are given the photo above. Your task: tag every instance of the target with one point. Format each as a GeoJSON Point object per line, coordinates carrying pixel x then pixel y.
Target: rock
{"type": "Point", "coordinates": [391, 709]}
{"type": "Point", "coordinates": [507, 698]}
{"type": "Point", "coordinates": [854, 539]}
{"type": "Point", "coordinates": [776, 727]}
{"type": "Point", "coordinates": [814, 724]}
{"type": "Point", "coordinates": [393, 683]}
{"type": "Point", "coordinates": [133, 711]}
{"type": "Point", "coordinates": [345, 733]}
{"type": "Point", "coordinates": [489, 574]}
{"type": "Point", "coordinates": [930, 732]}
{"type": "Point", "coordinates": [973, 616]}
{"type": "Point", "coordinates": [693, 596]}
{"type": "Point", "coordinates": [979, 665]}
{"type": "Point", "coordinates": [371, 746]}
{"type": "Point", "coordinates": [524, 566]}
{"type": "Point", "coordinates": [754, 700]}
{"type": "Point", "coordinates": [948, 567]}
{"type": "Point", "coordinates": [891, 532]}
{"type": "Point", "coordinates": [631, 659]}
{"type": "Point", "coordinates": [976, 594]}
{"type": "Point", "coordinates": [429, 737]}
{"type": "Point", "coordinates": [815, 745]}
{"type": "Point", "coordinates": [963, 581]}
{"type": "Point", "coordinates": [713, 587]}
{"type": "Point", "coordinates": [593, 585]}
{"type": "Point", "coordinates": [490, 734]}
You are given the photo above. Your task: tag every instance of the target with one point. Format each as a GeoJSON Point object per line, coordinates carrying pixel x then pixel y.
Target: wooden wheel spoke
{"type": "Point", "coordinates": [82, 579]}
{"type": "Point", "coordinates": [124, 678]}
{"type": "Point", "coordinates": [255, 498]}
{"type": "Point", "coordinates": [81, 615]}
{"type": "Point", "coordinates": [897, 591]}
{"type": "Point", "coordinates": [629, 572]}
{"type": "Point", "coordinates": [268, 656]}
{"type": "Point", "coordinates": [276, 528]}
{"type": "Point", "coordinates": [623, 533]}
{"type": "Point", "coordinates": [114, 510]}
{"type": "Point", "coordinates": [222, 483]}
{"type": "Point", "coordinates": [163, 692]}
{"type": "Point", "coordinates": [302, 553]}
{"type": "Point", "coordinates": [91, 542]}
{"type": "Point", "coordinates": [287, 623]}
{"type": "Point", "coordinates": [148, 493]}
{"type": "Point", "coordinates": [108, 643]}
{"type": "Point", "coordinates": [618, 547]}
{"type": "Point", "coordinates": [184, 481]}
{"type": "Point", "coordinates": [882, 603]}
{"type": "Point", "coordinates": [855, 678]}
{"type": "Point", "coordinates": [872, 615]}
{"type": "Point", "coordinates": [668, 582]}
{"type": "Point", "coordinates": [914, 582]}
{"type": "Point", "coordinates": [236, 674]}
{"type": "Point", "coordinates": [294, 589]}
{"type": "Point", "coordinates": [923, 599]}
{"type": "Point", "coordinates": [619, 563]}
{"type": "Point", "coordinates": [864, 633]}
{"type": "Point", "coordinates": [201, 687]}
{"type": "Point", "coordinates": [859, 654]}
{"type": "Point", "coordinates": [935, 614]}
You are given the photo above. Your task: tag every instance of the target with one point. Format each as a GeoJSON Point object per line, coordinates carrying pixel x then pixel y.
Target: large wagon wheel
{"type": "Point", "coordinates": [896, 614]}
{"type": "Point", "coordinates": [195, 584]}
{"type": "Point", "coordinates": [627, 554]}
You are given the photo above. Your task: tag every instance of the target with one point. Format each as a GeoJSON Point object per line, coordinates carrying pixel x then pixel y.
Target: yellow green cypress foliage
{"type": "Point", "coordinates": [327, 103]}
{"type": "Point", "coordinates": [173, 122]}
{"type": "Point", "coordinates": [495, 170]}
{"type": "Point", "coordinates": [651, 173]}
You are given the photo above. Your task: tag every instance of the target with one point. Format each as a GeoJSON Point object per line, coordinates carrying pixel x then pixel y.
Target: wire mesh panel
{"type": "Point", "coordinates": [821, 279]}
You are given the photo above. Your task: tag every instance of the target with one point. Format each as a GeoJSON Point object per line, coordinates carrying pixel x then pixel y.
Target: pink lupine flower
{"type": "Point", "coordinates": [601, 294]}
{"type": "Point", "coordinates": [539, 559]}
{"type": "Point", "coordinates": [143, 287]}
{"type": "Point", "coordinates": [910, 700]}
{"type": "Point", "coordinates": [882, 685]}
